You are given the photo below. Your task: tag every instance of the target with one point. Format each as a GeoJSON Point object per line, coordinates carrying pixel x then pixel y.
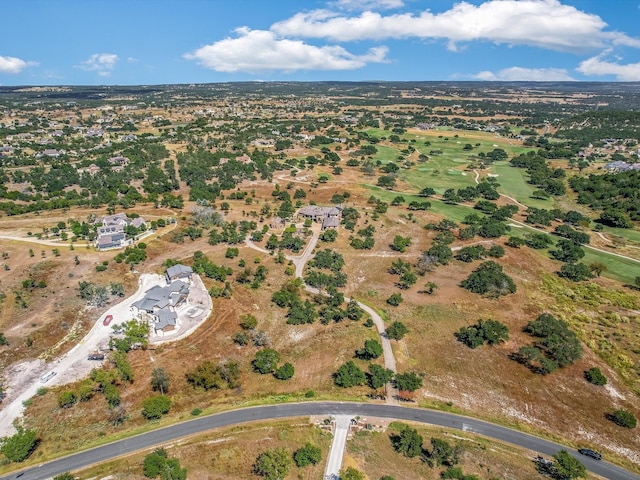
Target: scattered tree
{"type": "Point", "coordinates": [349, 375]}
{"type": "Point", "coordinates": [397, 330]}
{"type": "Point", "coordinates": [567, 467]}
{"type": "Point", "coordinates": [273, 464]}
{"type": "Point", "coordinates": [160, 380]}
{"type": "Point", "coordinates": [594, 375]}
{"type": "Point", "coordinates": [307, 455]}
{"type": "Point", "coordinates": [624, 418]}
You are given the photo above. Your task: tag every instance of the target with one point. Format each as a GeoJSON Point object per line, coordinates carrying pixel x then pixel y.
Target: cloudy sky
{"type": "Point", "coordinates": [139, 42]}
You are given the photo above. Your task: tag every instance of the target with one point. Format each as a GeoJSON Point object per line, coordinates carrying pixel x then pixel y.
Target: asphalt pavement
{"type": "Point", "coordinates": [202, 424]}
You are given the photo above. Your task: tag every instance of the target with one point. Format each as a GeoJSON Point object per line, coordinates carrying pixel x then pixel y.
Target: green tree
{"type": "Point", "coordinates": [408, 442]}
{"type": "Point", "coordinates": [354, 312]}
{"type": "Point", "coordinates": [442, 453]}
{"type": "Point", "coordinates": [568, 467]}
{"type": "Point", "coordinates": [397, 330]}
{"type": "Point", "coordinates": [160, 380]}
{"type": "Point", "coordinates": [372, 349]}
{"type": "Point", "coordinates": [349, 375]}
{"type": "Point", "coordinates": [490, 331]}
{"type": "Point", "coordinates": [153, 463]}
{"type": "Point", "coordinates": [285, 372]}
{"type": "Point", "coordinates": [576, 272]}
{"type": "Point", "coordinates": [624, 418]}
{"type": "Point", "coordinates": [378, 376]}
{"type": "Point", "coordinates": [594, 375]}
{"type": "Point", "coordinates": [489, 279]}
{"type": "Point", "coordinates": [266, 361]}
{"type": "Point", "coordinates": [400, 243]}
{"type": "Point", "coordinates": [395, 299]}
{"type": "Point", "coordinates": [351, 473]}
{"type": "Point", "coordinates": [408, 382]}
{"type": "Point", "coordinates": [273, 464]}
{"type": "Point", "coordinates": [155, 407]}
{"type": "Point", "coordinates": [20, 445]}
{"type": "Point", "coordinates": [307, 455]}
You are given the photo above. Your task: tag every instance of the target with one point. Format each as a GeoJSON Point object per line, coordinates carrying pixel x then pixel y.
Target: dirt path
{"type": "Point", "coordinates": [52, 243]}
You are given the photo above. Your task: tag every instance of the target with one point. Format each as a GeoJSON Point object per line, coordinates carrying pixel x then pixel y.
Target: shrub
{"type": "Point", "coordinates": [595, 376]}
{"type": "Point", "coordinates": [66, 399]}
{"type": "Point", "coordinates": [19, 446]}
{"type": "Point", "coordinates": [155, 407]}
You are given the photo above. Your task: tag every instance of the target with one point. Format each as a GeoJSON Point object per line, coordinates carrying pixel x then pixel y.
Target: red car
{"type": "Point", "coordinates": [107, 320]}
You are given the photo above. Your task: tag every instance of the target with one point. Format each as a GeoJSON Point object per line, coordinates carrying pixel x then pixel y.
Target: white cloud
{"type": "Point", "coordinates": [542, 23]}
{"type": "Point", "coordinates": [13, 65]}
{"type": "Point", "coordinates": [103, 63]}
{"type": "Point", "coordinates": [596, 66]}
{"type": "Point", "coordinates": [367, 4]}
{"type": "Point", "coordinates": [517, 74]}
{"type": "Point", "coordinates": [256, 51]}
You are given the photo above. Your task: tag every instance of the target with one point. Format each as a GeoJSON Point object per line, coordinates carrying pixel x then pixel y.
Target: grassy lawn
{"type": "Point", "coordinates": [620, 269]}
{"type": "Point", "coordinates": [513, 182]}
{"type": "Point", "coordinates": [454, 212]}
{"type": "Point", "coordinates": [629, 234]}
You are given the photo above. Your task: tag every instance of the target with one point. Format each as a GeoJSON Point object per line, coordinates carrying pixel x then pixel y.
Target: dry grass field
{"type": "Point", "coordinates": [483, 382]}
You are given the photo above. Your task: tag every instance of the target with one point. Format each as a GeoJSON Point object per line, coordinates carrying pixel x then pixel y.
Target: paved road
{"type": "Point", "coordinates": [203, 424]}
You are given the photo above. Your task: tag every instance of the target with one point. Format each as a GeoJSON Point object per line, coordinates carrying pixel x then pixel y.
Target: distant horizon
{"type": "Point", "coordinates": [120, 42]}
{"type": "Point", "coordinates": [266, 82]}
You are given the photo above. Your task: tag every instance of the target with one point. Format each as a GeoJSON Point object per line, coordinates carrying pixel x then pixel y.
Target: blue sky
{"type": "Point", "coordinates": [141, 42]}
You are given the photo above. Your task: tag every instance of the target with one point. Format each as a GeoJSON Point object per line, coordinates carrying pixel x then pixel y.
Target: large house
{"type": "Point", "coordinates": [328, 216]}
{"type": "Point", "coordinates": [158, 306]}
{"type": "Point", "coordinates": [111, 230]}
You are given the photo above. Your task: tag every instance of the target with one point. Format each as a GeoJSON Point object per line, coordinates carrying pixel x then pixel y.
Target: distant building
{"type": "Point", "coordinates": [328, 216]}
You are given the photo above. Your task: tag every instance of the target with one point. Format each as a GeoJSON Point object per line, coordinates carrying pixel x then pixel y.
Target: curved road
{"type": "Point", "coordinates": [234, 417]}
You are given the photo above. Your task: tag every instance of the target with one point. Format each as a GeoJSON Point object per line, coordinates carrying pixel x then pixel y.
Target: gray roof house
{"type": "Point", "coordinates": [111, 230]}
{"type": "Point", "coordinates": [329, 216]}
{"type": "Point", "coordinates": [159, 304]}
{"type": "Point", "coordinates": [114, 240]}
{"type": "Point", "coordinates": [178, 272]}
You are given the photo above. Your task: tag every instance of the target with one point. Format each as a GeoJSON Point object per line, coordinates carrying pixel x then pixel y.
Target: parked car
{"type": "Point", "coordinates": [107, 320]}
{"type": "Point", "coordinates": [48, 376]}
{"type": "Point", "coordinates": [590, 453]}
{"type": "Point", "coordinates": [95, 356]}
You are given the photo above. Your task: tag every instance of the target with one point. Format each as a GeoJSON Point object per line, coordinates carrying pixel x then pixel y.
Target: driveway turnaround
{"type": "Point", "coordinates": [164, 436]}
